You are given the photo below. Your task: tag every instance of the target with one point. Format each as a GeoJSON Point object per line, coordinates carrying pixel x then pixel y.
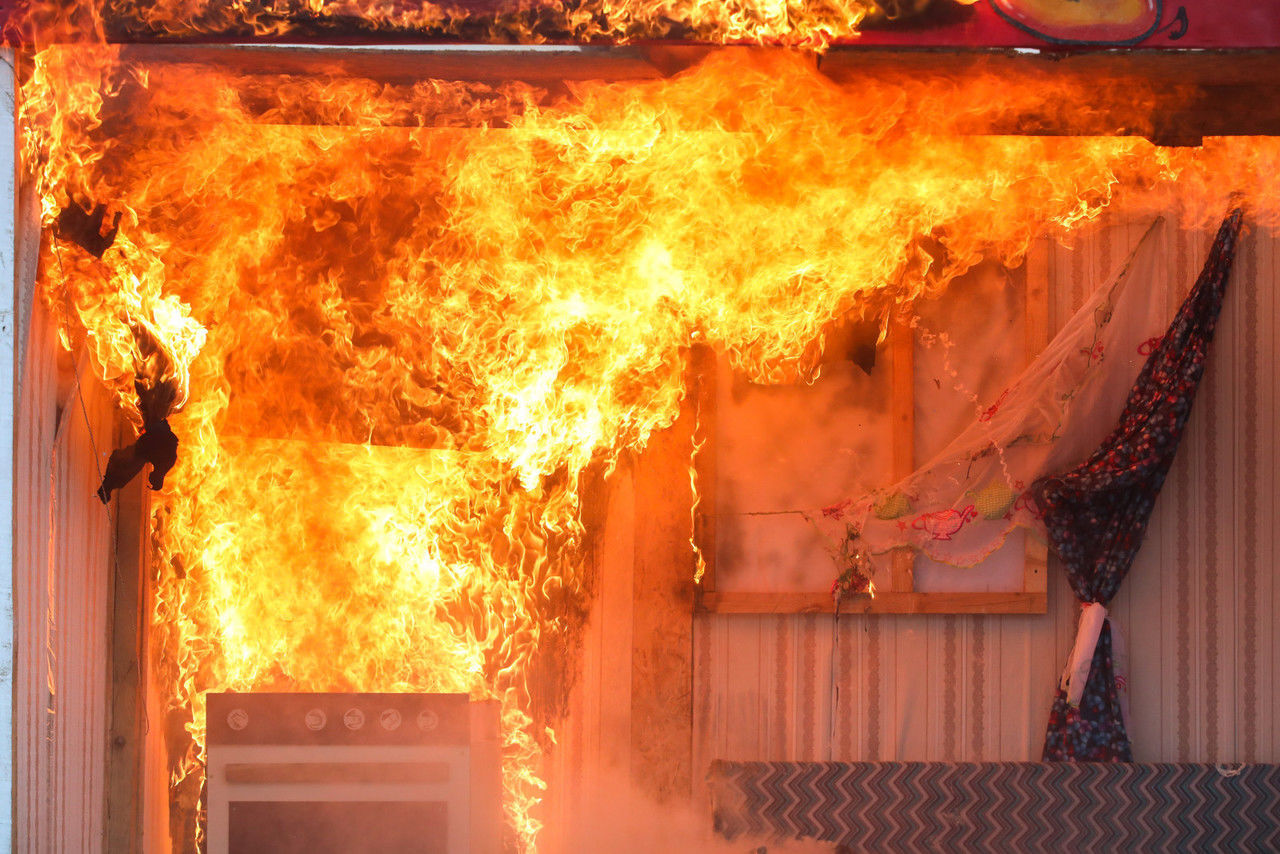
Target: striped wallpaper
{"type": "Point", "coordinates": [1198, 608]}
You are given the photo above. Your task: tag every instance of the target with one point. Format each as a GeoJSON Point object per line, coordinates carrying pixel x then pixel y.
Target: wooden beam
{"type": "Point", "coordinates": [1035, 578]}
{"type": "Point", "coordinates": [127, 673]}
{"type": "Point", "coordinates": [412, 63]}
{"type": "Point", "coordinates": [1193, 94]}
{"type": "Point", "coordinates": [1226, 67]}
{"type": "Point", "coordinates": [882, 603]}
{"type": "Point", "coordinates": [703, 366]}
{"type": "Point", "coordinates": [902, 406]}
{"type": "Point", "coordinates": [662, 617]}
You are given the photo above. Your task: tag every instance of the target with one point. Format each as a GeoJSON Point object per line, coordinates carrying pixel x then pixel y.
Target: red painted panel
{"type": "Point", "coordinates": [1030, 23]}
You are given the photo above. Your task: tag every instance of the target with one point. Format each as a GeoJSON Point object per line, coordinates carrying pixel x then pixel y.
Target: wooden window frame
{"type": "Point", "coordinates": [900, 597]}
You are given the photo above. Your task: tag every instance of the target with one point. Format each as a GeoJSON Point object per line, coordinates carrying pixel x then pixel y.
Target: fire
{"type": "Point", "coordinates": [809, 23]}
{"type": "Point", "coordinates": [407, 322]}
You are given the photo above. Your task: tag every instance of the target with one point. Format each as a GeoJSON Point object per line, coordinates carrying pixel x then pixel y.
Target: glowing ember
{"type": "Point", "coordinates": [410, 318]}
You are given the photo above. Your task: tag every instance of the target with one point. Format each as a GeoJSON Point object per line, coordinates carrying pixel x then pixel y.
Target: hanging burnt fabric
{"type": "Point", "coordinates": [156, 446]}
{"type": "Point", "coordinates": [1096, 514]}
{"type": "Point", "coordinates": [960, 507]}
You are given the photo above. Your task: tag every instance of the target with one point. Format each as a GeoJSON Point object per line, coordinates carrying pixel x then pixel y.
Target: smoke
{"type": "Point", "coordinates": [614, 816]}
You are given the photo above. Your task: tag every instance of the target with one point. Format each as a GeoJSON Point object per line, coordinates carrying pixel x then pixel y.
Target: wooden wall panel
{"type": "Point", "coordinates": [37, 415]}
{"type": "Point", "coordinates": [60, 580]}
{"type": "Point", "coordinates": [1198, 609]}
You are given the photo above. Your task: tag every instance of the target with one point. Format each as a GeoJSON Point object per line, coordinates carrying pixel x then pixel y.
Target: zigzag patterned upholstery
{"type": "Point", "coordinates": [1001, 806]}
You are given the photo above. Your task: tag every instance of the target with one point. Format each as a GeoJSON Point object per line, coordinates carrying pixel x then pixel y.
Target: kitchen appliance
{"type": "Point", "coordinates": [353, 773]}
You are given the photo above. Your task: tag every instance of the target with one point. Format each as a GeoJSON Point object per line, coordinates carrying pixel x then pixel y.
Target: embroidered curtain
{"type": "Point", "coordinates": [1096, 514]}
{"type": "Point", "coordinates": [960, 506]}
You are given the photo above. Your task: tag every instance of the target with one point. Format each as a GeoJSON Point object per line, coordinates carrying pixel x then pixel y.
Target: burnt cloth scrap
{"type": "Point", "coordinates": [157, 444]}
{"type": "Point", "coordinates": [84, 228]}
{"type": "Point", "coordinates": [1096, 514]}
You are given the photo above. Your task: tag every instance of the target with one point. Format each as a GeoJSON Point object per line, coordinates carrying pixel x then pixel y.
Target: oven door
{"type": "Point", "coordinates": [340, 799]}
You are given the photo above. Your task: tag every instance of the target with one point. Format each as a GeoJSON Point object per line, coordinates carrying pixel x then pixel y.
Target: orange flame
{"type": "Point", "coordinates": [807, 23]}
{"type": "Point", "coordinates": [411, 318]}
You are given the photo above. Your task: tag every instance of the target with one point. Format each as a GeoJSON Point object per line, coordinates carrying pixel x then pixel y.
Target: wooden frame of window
{"type": "Point", "coordinates": [900, 597]}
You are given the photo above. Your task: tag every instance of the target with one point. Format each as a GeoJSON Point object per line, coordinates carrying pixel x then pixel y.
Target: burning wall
{"type": "Point", "coordinates": [409, 321]}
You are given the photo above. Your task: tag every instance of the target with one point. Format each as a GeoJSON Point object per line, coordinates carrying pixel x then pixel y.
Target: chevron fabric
{"type": "Point", "coordinates": [1002, 806]}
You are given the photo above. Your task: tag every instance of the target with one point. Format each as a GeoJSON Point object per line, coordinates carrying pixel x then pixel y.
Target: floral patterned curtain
{"type": "Point", "coordinates": [1096, 513]}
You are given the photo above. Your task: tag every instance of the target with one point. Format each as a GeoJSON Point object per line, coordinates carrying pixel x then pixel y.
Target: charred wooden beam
{"type": "Point", "coordinates": [411, 63]}
{"type": "Point", "coordinates": [1187, 94]}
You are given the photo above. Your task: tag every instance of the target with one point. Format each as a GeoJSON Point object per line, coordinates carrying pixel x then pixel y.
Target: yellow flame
{"type": "Point", "coordinates": [812, 23]}
{"type": "Point", "coordinates": [411, 317]}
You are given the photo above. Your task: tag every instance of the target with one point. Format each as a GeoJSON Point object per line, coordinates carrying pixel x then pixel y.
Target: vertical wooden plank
{"type": "Point", "coordinates": [155, 790]}
{"type": "Point", "coordinates": [703, 737]}
{"type": "Point", "coordinates": [617, 567]}
{"type": "Point", "coordinates": [9, 500]}
{"type": "Point", "coordinates": [722, 711]}
{"type": "Point", "coordinates": [704, 376]}
{"type": "Point", "coordinates": [35, 418]}
{"type": "Point", "coordinates": [126, 675]}
{"type": "Point", "coordinates": [80, 571]}
{"type": "Point", "coordinates": [1036, 332]}
{"type": "Point", "coordinates": [662, 616]}
{"type": "Point", "coordinates": [902, 408]}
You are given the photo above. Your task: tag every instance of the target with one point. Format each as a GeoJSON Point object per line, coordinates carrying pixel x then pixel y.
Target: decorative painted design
{"type": "Point", "coordinates": [993, 500]}
{"type": "Point", "coordinates": [993, 408]}
{"type": "Point", "coordinates": [1096, 353]}
{"type": "Point", "coordinates": [857, 571]}
{"type": "Point", "coordinates": [837, 510]}
{"type": "Point", "coordinates": [1146, 348]}
{"type": "Point", "coordinates": [1093, 22]}
{"type": "Point", "coordinates": [977, 747]}
{"type": "Point", "coordinates": [893, 505]}
{"type": "Point", "coordinates": [943, 524]}
{"type": "Point", "coordinates": [1028, 503]}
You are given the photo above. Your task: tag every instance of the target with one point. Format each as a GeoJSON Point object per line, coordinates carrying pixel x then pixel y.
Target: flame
{"type": "Point", "coordinates": [408, 321]}
{"type": "Point", "coordinates": [801, 23]}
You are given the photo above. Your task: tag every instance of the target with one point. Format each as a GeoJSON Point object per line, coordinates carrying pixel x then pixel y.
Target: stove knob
{"type": "Point", "coordinates": [428, 720]}
{"type": "Point", "coordinates": [238, 719]}
{"type": "Point", "coordinates": [354, 719]}
{"type": "Point", "coordinates": [316, 719]}
{"type": "Point", "coordinates": [390, 719]}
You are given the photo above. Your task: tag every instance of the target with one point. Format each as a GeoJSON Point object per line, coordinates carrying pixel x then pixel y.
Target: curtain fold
{"type": "Point", "coordinates": [1096, 514]}
{"type": "Point", "coordinates": [960, 506]}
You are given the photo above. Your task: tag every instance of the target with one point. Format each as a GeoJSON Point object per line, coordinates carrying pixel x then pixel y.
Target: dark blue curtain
{"type": "Point", "coordinates": [1097, 513]}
